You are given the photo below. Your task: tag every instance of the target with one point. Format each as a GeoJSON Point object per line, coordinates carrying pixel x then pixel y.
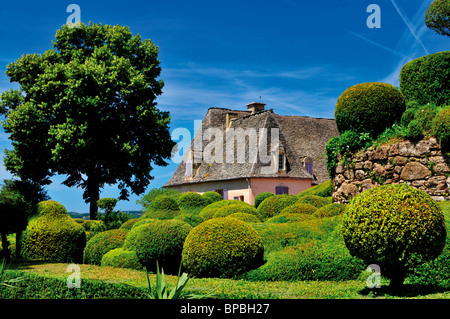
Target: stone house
{"type": "Point", "coordinates": [242, 153]}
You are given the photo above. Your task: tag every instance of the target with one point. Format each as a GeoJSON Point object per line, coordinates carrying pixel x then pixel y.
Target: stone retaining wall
{"type": "Point", "coordinates": [421, 164]}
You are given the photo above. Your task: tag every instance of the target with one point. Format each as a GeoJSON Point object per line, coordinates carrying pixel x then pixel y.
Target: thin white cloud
{"type": "Point", "coordinates": [378, 44]}
{"type": "Point", "coordinates": [409, 25]}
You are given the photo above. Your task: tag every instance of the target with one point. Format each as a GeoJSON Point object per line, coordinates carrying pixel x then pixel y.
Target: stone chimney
{"type": "Point", "coordinates": [255, 107]}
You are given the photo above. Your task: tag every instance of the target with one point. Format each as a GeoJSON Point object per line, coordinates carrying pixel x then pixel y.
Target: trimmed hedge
{"type": "Point", "coordinates": [388, 224]}
{"type": "Point", "coordinates": [130, 240]}
{"type": "Point", "coordinates": [262, 196]}
{"type": "Point", "coordinates": [121, 258]}
{"type": "Point", "coordinates": [190, 218]}
{"type": "Point", "coordinates": [427, 79]}
{"type": "Point", "coordinates": [163, 202]}
{"type": "Point", "coordinates": [299, 208]}
{"type": "Point", "coordinates": [211, 197]}
{"type": "Point", "coordinates": [53, 235]}
{"type": "Point", "coordinates": [369, 107]}
{"type": "Point", "coordinates": [441, 126]}
{"type": "Point", "coordinates": [162, 241]}
{"type": "Point", "coordinates": [249, 218]}
{"type": "Point", "coordinates": [324, 189]}
{"type": "Point", "coordinates": [313, 200]}
{"type": "Point", "coordinates": [101, 243]}
{"type": "Point", "coordinates": [191, 202]}
{"type": "Point", "coordinates": [330, 210]}
{"type": "Point", "coordinates": [235, 208]}
{"type": "Point", "coordinates": [273, 205]}
{"type": "Point", "coordinates": [289, 218]}
{"type": "Point", "coordinates": [209, 211]}
{"type": "Point", "coordinates": [222, 247]}
{"type": "Point", "coordinates": [161, 214]}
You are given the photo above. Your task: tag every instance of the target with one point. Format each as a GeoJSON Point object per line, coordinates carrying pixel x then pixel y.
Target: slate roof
{"type": "Point", "coordinates": [302, 138]}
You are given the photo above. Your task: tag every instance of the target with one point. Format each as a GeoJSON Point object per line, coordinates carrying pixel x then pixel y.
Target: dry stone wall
{"type": "Point", "coordinates": [422, 165]}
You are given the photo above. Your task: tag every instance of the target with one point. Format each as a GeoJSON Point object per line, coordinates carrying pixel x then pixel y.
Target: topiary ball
{"type": "Point", "coordinates": [191, 202]}
{"type": "Point", "coordinates": [299, 208]}
{"type": "Point", "coordinates": [163, 202]}
{"type": "Point", "coordinates": [441, 126]}
{"type": "Point", "coordinates": [290, 218]}
{"type": "Point", "coordinates": [211, 197]}
{"type": "Point", "coordinates": [262, 196]}
{"type": "Point", "coordinates": [330, 210]}
{"type": "Point", "coordinates": [121, 258]}
{"type": "Point", "coordinates": [101, 243]}
{"type": "Point", "coordinates": [369, 108]}
{"type": "Point", "coordinates": [53, 235]}
{"type": "Point", "coordinates": [162, 241]}
{"type": "Point", "coordinates": [249, 218]}
{"type": "Point", "coordinates": [389, 224]}
{"type": "Point", "coordinates": [427, 79]}
{"type": "Point", "coordinates": [273, 205]}
{"type": "Point", "coordinates": [235, 208]}
{"type": "Point", "coordinates": [316, 201]}
{"type": "Point", "coordinates": [209, 211]}
{"type": "Point", "coordinates": [222, 247]}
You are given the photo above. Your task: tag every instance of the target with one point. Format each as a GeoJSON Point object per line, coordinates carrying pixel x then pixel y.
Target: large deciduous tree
{"type": "Point", "coordinates": [86, 109]}
{"type": "Point", "coordinates": [437, 17]}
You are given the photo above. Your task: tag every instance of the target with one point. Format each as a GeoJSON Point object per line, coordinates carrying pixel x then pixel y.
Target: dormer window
{"type": "Point", "coordinates": [281, 162]}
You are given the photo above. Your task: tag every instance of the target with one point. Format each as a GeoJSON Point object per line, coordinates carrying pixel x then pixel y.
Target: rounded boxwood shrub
{"type": "Point", "coordinates": [121, 258]}
{"type": "Point", "coordinates": [235, 208]}
{"type": "Point", "coordinates": [316, 201]}
{"type": "Point", "coordinates": [211, 197]}
{"type": "Point", "coordinates": [441, 126]}
{"type": "Point", "coordinates": [190, 218]}
{"type": "Point", "coordinates": [427, 79]}
{"type": "Point", "coordinates": [209, 211]}
{"type": "Point", "coordinates": [290, 218]}
{"type": "Point", "coordinates": [330, 210]}
{"type": "Point", "coordinates": [249, 218]}
{"type": "Point", "coordinates": [130, 240]}
{"type": "Point", "coordinates": [273, 205]}
{"type": "Point", "coordinates": [53, 235]}
{"type": "Point", "coordinates": [129, 224]}
{"type": "Point", "coordinates": [191, 202]}
{"type": "Point", "coordinates": [163, 202]}
{"type": "Point", "coordinates": [369, 107]}
{"type": "Point", "coordinates": [161, 214]}
{"type": "Point", "coordinates": [299, 208]}
{"type": "Point", "coordinates": [262, 196]}
{"type": "Point", "coordinates": [414, 130]}
{"type": "Point", "coordinates": [162, 241]}
{"type": "Point", "coordinates": [101, 243]}
{"type": "Point", "coordinates": [389, 224]}
{"type": "Point", "coordinates": [222, 247]}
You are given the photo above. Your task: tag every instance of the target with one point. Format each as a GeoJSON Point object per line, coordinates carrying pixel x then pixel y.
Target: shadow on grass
{"type": "Point", "coordinates": [22, 264]}
{"type": "Point", "coordinates": [408, 290]}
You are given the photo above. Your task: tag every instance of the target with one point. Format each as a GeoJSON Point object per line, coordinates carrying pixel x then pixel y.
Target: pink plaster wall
{"type": "Point", "coordinates": [260, 185]}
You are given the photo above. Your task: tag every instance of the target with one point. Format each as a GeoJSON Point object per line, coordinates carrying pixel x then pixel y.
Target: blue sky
{"type": "Point", "coordinates": [295, 56]}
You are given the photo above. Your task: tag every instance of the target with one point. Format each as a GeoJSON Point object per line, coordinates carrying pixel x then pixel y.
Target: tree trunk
{"type": "Point", "coordinates": [5, 253]}
{"type": "Point", "coordinates": [93, 191]}
{"type": "Point", "coordinates": [398, 277]}
{"type": "Point", "coordinates": [19, 244]}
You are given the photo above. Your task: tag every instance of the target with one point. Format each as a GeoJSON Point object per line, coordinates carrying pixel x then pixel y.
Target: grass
{"type": "Point", "coordinates": [243, 289]}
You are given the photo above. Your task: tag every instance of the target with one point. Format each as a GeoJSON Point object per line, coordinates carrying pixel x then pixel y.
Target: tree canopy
{"type": "Point", "coordinates": [86, 109]}
{"type": "Point", "coordinates": [437, 17]}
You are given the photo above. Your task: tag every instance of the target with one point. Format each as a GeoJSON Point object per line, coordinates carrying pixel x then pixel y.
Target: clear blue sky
{"type": "Point", "coordinates": [298, 56]}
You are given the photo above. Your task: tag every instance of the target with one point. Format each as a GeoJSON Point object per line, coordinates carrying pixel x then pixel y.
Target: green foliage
{"type": "Point", "coordinates": [289, 218]}
{"type": "Point", "coordinates": [437, 17]}
{"type": "Point", "coordinates": [129, 224]}
{"type": "Point", "coordinates": [369, 108]}
{"type": "Point", "coordinates": [111, 218]}
{"type": "Point", "coordinates": [147, 199]}
{"type": "Point", "coordinates": [235, 208]}
{"type": "Point", "coordinates": [426, 79]}
{"type": "Point", "coordinates": [300, 208]}
{"type": "Point", "coordinates": [34, 286]}
{"type": "Point", "coordinates": [330, 210]}
{"type": "Point", "coordinates": [222, 247]}
{"type": "Point", "coordinates": [246, 217]}
{"type": "Point", "coordinates": [190, 218]}
{"type": "Point", "coordinates": [316, 201]}
{"type": "Point", "coordinates": [121, 258]}
{"type": "Point", "coordinates": [262, 196]}
{"type": "Point", "coordinates": [101, 243]}
{"type": "Point", "coordinates": [209, 211]}
{"type": "Point", "coordinates": [130, 240]}
{"type": "Point", "coordinates": [425, 115]}
{"type": "Point", "coordinates": [53, 235]}
{"type": "Point", "coordinates": [163, 241]}
{"type": "Point", "coordinates": [273, 205]}
{"type": "Point", "coordinates": [191, 202]}
{"type": "Point", "coordinates": [414, 130]}
{"type": "Point", "coordinates": [324, 189]}
{"type": "Point", "coordinates": [389, 224]}
{"type": "Point", "coordinates": [441, 126]}
{"type": "Point", "coordinates": [410, 113]}
{"type": "Point", "coordinates": [163, 202]}
{"type": "Point", "coordinates": [211, 197]}
{"type": "Point", "coordinates": [88, 112]}
{"type": "Point", "coordinates": [161, 214]}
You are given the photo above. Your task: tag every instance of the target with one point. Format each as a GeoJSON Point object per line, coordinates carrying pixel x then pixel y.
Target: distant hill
{"type": "Point", "coordinates": [132, 213]}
